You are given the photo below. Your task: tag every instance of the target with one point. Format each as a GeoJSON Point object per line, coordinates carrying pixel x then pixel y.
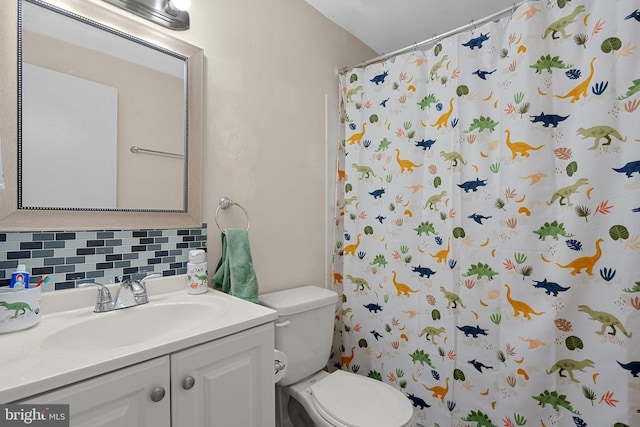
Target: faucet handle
{"type": "Point", "coordinates": [104, 301]}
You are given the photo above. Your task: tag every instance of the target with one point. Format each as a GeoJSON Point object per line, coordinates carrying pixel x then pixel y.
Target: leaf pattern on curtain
{"type": "Point", "coordinates": [488, 221]}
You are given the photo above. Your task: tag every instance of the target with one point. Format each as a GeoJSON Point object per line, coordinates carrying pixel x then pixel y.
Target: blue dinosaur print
{"type": "Point", "coordinates": [373, 308]}
{"type": "Point", "coordinates": [633, 367]}
{"type": "Point", "coordinates": [478, 218]}
{"type": "Point", "coordinates": [472, 185]}
{"type": "Point", "coordinates": [425, 144]}
{"type": "Point", "coordinates": [381, 219]}
{"type": "Point", "coordinates": [376, 334]}
{"type": "Point", "coordinates": [476, 42]}
{"type": "Point", "coordinates": [548, 119]}
{"type": "Point", "coordinates": [479, 365]}
{"type": "Point", "coordinates": [384, 103]}
{"type": "Point", "coordinates": [551, 288]}
{"type": "Point", "coordinates": [629, 168]}
{"type": "Point", "coordinates": [483, 74]}
{"type": "Point", "coordinates": [379, 79]}
{"type": "Point", "coordinates": [634, 15]}
{"type": "Point", "coordinates": [377, 194]}
{"type": "Point", "coordinates": [417, 401]}
{"type": "Point", "coordinates": [423, 271]}
{"type": "Point", "coordinates": [472, 330]}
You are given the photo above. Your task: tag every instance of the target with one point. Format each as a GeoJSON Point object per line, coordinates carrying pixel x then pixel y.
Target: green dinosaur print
{"type": "Point", "coordinates": [632, 90]}
{"type": "Point", "coordinates": [383, 145]}
{"type": "Point", "coordinates": [365, 171]}
{"type": "Point", "coordinates": [17, 307]}
{"type": "Point", "coordinates": [432, 202]}
{"type": "Point", "coordinates": [422, 357]}
{"type": "Point", "coordinates": [565, 192]}
{"type": "Point", "coordinates": [552, 229]}
{"type": "Point", "coordinates": [480, 418]}
{"type": "Point", "coordinates": [547, 63]}
{"type": "Point", "coordinates": [599, 132]}
{"type": "Point", "coordinates": [570, 365]}
{"type": "Point", "coordinates": [359, 282]}
{"type": "Point", "coordinates": [482, 123]}
{"type": "Point", "coordinates": [454, 157]}
{"type": "Point", "coordinates": [352, 92]}
{"type": "Point", "coordinates": [433, 332]}
{"type": "Point", "coordinates": [427, 101]}
{"type": "Point", "coordinates": [555, 400]}
{"type": "Point", "coordinates": [480, 270]}
{"type": "Point", "coordinates": [434, 70]}
{"type": "Point", "coordinates": [452, 298]}
{"type": "Point", "coordinates": [379, 260]}
{"type": "Point", "coordinates": [425, 227]}
{"type": "Point", "coordinates": [561, 24]}
{"type": "Point", "coordinates": [607, 320]}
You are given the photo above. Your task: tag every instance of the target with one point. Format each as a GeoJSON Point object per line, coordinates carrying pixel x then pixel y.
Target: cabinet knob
{"type": "Point", "coordinates": [188, 383]}
{"type": "Point", "coordinates": [157, 394]}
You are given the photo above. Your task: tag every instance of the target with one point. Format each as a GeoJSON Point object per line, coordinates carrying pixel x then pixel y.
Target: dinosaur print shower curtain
{"type": "Point", "coordinates": [487, 246]}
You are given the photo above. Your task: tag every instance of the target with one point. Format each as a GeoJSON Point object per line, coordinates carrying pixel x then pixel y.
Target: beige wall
{"type": "Point", "coordinates": [269, 66]}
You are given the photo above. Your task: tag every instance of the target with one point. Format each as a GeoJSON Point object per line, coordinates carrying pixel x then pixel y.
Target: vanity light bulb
{"type": "Point", "coordinates": [181, 4]}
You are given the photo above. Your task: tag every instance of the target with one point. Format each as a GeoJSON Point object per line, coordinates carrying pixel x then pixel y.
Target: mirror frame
{"type": "Point", "coordinates": [14, 219]}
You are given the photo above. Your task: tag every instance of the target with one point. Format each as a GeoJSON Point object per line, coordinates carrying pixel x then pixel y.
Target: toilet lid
{"type": "Point", "coordinates": [356, 401]}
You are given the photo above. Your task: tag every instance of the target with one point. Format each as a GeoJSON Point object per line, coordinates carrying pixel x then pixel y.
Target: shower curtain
{"type": "Point", "coordinates": [487, 245]}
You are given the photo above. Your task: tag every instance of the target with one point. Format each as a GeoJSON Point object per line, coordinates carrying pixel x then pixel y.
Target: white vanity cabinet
{"type": "Point", "coordinates": [227, 382]}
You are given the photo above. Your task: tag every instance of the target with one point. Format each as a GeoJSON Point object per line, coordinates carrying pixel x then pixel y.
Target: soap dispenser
{"type": "Point", "coordinates": [197, 277]}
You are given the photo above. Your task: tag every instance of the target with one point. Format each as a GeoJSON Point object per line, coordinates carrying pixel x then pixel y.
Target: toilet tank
{"type": "Point", "coordinates": [304, 328]}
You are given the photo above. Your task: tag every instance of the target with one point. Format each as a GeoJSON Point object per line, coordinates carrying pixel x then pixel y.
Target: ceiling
{"type": "Point", "coordinates": [389, 25]}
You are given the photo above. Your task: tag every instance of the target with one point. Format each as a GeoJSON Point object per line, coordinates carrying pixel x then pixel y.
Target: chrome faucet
{"type": "Point", "coordinates": [129, 294]}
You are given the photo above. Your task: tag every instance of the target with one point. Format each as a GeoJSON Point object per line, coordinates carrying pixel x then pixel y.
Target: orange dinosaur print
{"type": "Point", "coordinates": [439, 391]}
{"type": "Point", "coordinates": [441, 256]}
{"type": "Point", "coordinates": [519, 147]}
{"type": "Point", "coordinates": [405, 165]}
{"type": "Point", "coordinates": [346, 360]}
{"type": "Point", "coordinates": [533, 342]}
{"type": "Point", "coordinates": [582, 87]}
{"type": "Point", "coordinates": [351, 249]}
{"type": "Point", "coordinates": [521, 306]}
{"type": "Point", "coordinates": [587, 262]}
{"type": "Point", "coordinates": [444, 118]}
{"type": "Point", "coordinates": [356, 138]}
{"type": "Point", "coordinates": [401, 288]}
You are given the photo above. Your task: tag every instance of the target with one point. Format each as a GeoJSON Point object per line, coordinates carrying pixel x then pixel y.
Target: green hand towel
{"type": "Point", "coordinates": [235, 274]}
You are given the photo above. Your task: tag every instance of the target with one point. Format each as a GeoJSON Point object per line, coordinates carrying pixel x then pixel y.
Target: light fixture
{"type": "Point", "coordinates": [168, 13]}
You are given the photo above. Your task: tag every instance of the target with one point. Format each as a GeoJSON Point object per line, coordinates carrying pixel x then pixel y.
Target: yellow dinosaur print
{"type": "Point", "coordinates": [582, 87]}
{"type": "Point", "coordinates": [586, 262]}
{"type": "Point", "coordinates": [356, 138]}
{"type": "Point", "coordinates": [401, 288]}
{"type": "Point", "coordinates": [441, 256]}
{"type": "Point", "coordinates": [346, 360]}
{"type": "Point", "coordinates": [439, 391]}
{"type": "Point", "coordinates": [519, 147]}
{"type": "Point", "coordinates": [521, 306]}
{"type": "Point", "coordinates": [444, 118]}
{"type": "Point", "coordinates": [351, 249]}
{"type": "Point", "coordinates": [405, 165]}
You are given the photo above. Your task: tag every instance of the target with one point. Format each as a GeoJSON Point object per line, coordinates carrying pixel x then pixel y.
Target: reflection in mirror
{"type": "Point", "coordinates": [89, 94]}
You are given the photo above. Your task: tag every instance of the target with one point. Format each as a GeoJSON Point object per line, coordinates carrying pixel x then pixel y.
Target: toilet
{"type": "Point", "coordinates": [304, 333]}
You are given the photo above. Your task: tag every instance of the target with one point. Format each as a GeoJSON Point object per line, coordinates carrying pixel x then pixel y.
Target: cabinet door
{"type": "Point", "coordinates": [121, 398]}
{"type": "Point", "coordinates": [233, 382]}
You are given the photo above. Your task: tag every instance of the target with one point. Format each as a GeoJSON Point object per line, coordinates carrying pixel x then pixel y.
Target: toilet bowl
{"type": "Point", "coordinates": [343, 399]}
{"type": "Point", "coordinates": [304, 333]}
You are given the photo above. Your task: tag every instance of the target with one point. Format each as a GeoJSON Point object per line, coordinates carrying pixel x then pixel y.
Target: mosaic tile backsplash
{"type": "Point", "coordinates": [73, 257]}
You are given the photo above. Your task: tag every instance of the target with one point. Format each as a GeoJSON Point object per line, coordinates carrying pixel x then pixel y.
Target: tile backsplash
{"type": "Point", "coordinates": [73, 257]}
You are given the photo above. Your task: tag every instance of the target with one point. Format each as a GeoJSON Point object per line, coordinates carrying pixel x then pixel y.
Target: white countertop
{"type": "Point", "coordinates": [28, 368]}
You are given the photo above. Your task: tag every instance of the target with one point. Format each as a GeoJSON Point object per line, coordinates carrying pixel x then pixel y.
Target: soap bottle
{"type": "Point", "coordinates": [19, 278]}
{"type": "Point", "coordinates": [197, 277]}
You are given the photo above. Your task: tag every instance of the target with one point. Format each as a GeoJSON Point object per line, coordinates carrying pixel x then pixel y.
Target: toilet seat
{"type": "Point", "coordinates": [350, 400]}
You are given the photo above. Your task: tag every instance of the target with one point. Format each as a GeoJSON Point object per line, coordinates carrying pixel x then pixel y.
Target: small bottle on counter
{"type": "Point", "coordinates": [19, 278]}
{"type": "Point", "coordinates": [197, 276]}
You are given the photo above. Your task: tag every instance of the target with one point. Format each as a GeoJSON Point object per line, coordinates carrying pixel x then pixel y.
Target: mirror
{"type": "Point", "coordinates": [108, 125]}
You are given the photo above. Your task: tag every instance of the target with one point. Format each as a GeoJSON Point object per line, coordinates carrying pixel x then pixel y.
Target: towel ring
{"type": "Point", "coordinates": [224, 203]}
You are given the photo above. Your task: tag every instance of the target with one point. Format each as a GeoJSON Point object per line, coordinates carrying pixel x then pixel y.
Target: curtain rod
{"type": "Point", "coordinates": [471, 24]}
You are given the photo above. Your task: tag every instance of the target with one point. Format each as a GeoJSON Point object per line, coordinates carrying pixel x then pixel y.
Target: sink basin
{"type": "Point", "coordinates": [131, 326]}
